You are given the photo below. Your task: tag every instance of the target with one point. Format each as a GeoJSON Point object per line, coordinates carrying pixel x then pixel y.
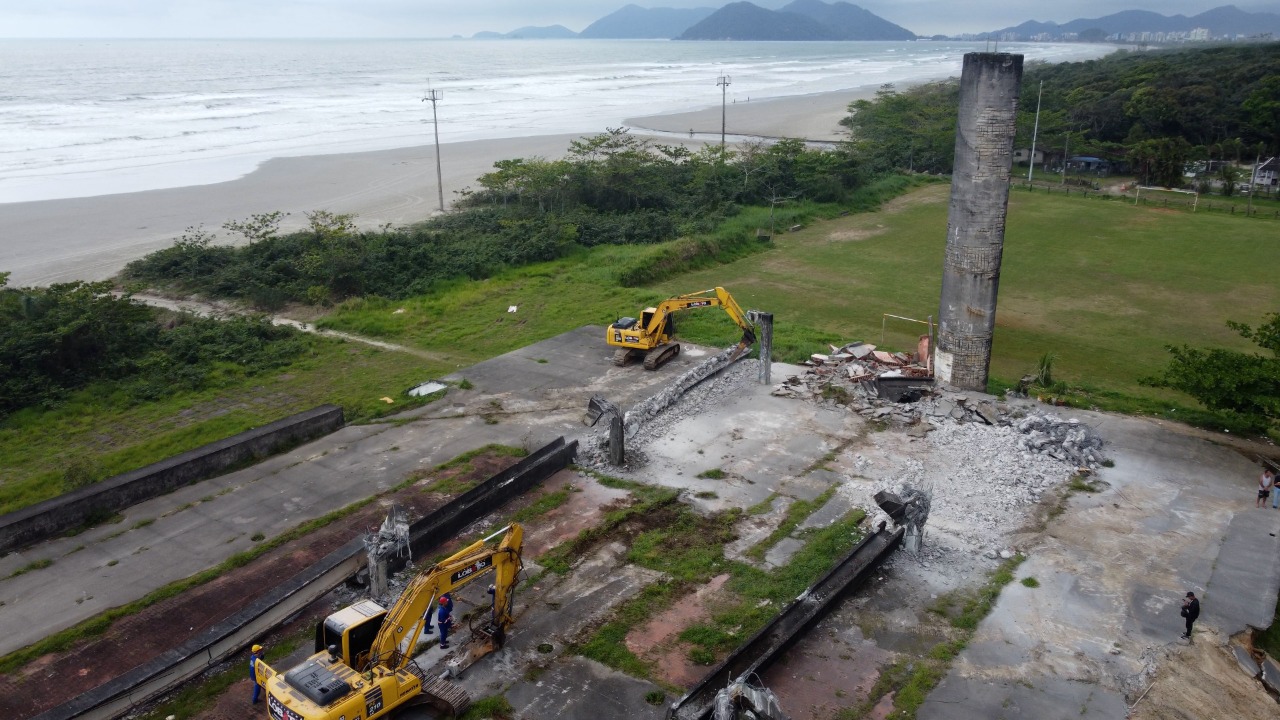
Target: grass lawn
{"type": "Point", "coordinates": [1101, 284]}
{"type": "Point", "coordinates": [98, 434]}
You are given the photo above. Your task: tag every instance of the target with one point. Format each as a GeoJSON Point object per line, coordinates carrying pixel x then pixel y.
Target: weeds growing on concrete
{"type": "Point", "coordinates": [712, 474]}
{"type": "Point", "coordinates": [30, 567]}
{"type": "Point", "coordinates": [543, 505]}
{"type": "Point", "coordinates": [495, 707]}
{"type": "Point", "coordinates": [911, 680]}
{"type": "Point", "coordinates": [796, 514]}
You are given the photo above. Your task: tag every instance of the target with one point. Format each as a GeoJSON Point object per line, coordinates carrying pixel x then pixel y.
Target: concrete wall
{"type": "Point", "coordinates": [58, 515]}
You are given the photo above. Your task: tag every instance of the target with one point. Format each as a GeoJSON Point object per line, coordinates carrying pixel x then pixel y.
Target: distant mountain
{"type": "Point", "coordinates": [849, 22]}
{"type": "Point", "coordinates": [745, 21]}
{"type": "Point", "coordinates": [634, 22]}
{"type": "Point", "coordinates": [800, 20]}
{"type": "Point", "coordinates": [550, 32]}
{"type": "Point", "coordinates": [1227, 20]}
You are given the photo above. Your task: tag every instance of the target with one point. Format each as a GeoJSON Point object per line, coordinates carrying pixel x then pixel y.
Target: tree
{"type": "Point", "coordinates": [1243, 384]}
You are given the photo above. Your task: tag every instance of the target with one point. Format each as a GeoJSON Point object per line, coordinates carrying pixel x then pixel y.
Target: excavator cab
{"type": "Point", "coordinates": [352, 631]}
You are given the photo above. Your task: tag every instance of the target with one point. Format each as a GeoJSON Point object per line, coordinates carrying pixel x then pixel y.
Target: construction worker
{"type": "Point", "coordinates": [444, 618]}
{"type": "Point", "coordinates": [255, 655]}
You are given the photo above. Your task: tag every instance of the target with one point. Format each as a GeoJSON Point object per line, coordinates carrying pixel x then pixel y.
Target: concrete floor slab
{"type": "Point", "coordinates": [516, 400]}
{"type": "Point", "coordinates": [961, 698]}
{"type": "Point", "coordinates": [1110, 588]}
{"type": "Point", "coordinates": [576, 688]}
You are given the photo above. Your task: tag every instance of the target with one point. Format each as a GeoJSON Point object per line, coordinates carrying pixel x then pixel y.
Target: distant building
{"type": "Point", "coordinates": [1198, 35]}
{"type": "Point", "coordinates": [1021, 155]}
{"type": "Point", "coordinates": [1268, 173]}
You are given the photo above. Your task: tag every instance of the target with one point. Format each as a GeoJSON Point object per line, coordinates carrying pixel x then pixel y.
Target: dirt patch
{"type": "Point", "coordinates": [830, 670]}
{"type": "Point", "coordinates": [931, 195]}
{"type": "Point", "coordinates": [1203, 680]}
{"type": "Point", "coordinates": [132, 641]}
{"type": "Point", "coordinates": [856, 234]}
{"type": "Point", "coordinates": [658, 639]}
{"type": "Point", "coordinates": [588, 502]}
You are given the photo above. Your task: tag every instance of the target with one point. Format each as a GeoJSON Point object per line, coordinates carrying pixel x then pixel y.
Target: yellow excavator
{"type": "Point", "coordinates": [650, 336]}
{"type": "Point", "coordinates": [363, 668]}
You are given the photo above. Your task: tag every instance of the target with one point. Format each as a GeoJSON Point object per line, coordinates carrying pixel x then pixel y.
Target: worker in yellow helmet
{"type": "Point", "coordinates": [254, 656]}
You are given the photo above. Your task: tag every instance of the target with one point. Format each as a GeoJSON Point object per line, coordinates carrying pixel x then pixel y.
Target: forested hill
{"type": "Point", "coordinates": [634, 22]}
{"type": "Point", "coordinates": [801, 20]}
{"type": "Point", "coordinates": [1222, 21]}
{"type": "Point", "coordinates": [1153, 112]}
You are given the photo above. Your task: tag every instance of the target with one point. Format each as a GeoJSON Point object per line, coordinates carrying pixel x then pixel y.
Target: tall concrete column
{"type": "Point", "coordinates": [975, 223]}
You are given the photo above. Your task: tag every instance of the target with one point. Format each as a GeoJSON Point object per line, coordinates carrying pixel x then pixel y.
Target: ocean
{"type": "Point", "coordinates": [90, 117]}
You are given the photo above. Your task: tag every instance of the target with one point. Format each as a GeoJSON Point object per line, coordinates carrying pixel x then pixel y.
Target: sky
{"type": "Point", "coordinates": [444, 18]}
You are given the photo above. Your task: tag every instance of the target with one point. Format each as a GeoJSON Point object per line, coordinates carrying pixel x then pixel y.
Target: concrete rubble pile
{"type": "Point", "coordinates": [852, 375]}
{"type": "Point", "coordinates": [653, 418]}
{"type": "Point", "coordinates": [1068, 440]}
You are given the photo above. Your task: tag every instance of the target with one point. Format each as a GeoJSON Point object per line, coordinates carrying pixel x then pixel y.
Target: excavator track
{"type": "Point", "coordinates": [660, 356]}
{"type": "Point", "coordinates": [622, 357]}
{"type": "Point", "coordinates": [445, 696]}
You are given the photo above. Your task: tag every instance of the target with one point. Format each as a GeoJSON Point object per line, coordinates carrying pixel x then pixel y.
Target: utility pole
{"type": "Point", "coordinates": [1253, 185]}
{"type": "Point", "coordinates": [1066, 153]}
{"type": "Point", "coordinates": [1035, 131]}
{"type": "Point", "coordinates": [433, 96]}
{"type": "Point", "coordinates": [723, 83]}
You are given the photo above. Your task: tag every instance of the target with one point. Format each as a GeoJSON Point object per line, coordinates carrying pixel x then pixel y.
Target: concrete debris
{"type": "Point", "coordinates": [898, 389]}
{"type": "Point", "coordinates": [709, 384]}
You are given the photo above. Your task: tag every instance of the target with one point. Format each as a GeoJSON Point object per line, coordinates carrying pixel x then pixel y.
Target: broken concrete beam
{"type": "Point", "coordinates": [886, 358]}
{"type": "Point", "coordinates": [863, 350]}
{"type": "Point", "coordinates": [819, 358]}
{"type": "Point", "coordinates": [1245, 659]}
{"type": "Point", "coordinates": [1271, 673]}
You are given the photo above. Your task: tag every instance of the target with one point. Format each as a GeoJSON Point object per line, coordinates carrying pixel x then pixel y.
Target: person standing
{"type": "Point", "coordinates": [1190, 611]}
{"type": "Point", "coordinates": [444, 619]}
{"type": "Point", "coordinates": [1266, 483]}
{"type": "Point", "coordinates": [255, 655]}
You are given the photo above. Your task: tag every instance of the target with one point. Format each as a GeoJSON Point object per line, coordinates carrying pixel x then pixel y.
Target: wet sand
{"type": "Point", "coordinates": [92, 238]}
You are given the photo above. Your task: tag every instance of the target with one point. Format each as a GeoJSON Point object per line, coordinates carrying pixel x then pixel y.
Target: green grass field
{"type": "Point", "coordinates": [1101, 284]}
{"type": "Point", "coordinates": [100, 434]}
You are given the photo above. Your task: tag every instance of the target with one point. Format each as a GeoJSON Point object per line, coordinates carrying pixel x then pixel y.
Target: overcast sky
{"type": "Point", "coordinates": [443, 18]}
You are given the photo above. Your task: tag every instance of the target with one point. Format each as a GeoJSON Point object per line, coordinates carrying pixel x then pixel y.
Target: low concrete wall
{"type": "Point", "coordinates": [117, 697]}
{"type": "Point", "coordinates": [58, 515]}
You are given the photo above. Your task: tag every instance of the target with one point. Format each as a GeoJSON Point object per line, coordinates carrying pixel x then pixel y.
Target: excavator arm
{"type": "Point", "coordinates": [406, 618]}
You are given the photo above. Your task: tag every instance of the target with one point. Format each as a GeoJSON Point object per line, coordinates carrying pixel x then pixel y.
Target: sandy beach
{"type": "Point", "coordinates": [92, 238]}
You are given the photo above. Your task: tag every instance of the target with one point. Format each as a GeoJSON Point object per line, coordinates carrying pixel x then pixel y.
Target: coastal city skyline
{"type": "Point", "coordinates": [440, 19]}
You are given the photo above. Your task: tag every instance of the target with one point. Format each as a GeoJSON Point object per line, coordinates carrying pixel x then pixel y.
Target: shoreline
{"type": "Point", "coordinates": [93, 238]}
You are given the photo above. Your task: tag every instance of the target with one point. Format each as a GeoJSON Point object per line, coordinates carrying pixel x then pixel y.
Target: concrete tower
{"type": "Point", "coordinates": [975, 223]}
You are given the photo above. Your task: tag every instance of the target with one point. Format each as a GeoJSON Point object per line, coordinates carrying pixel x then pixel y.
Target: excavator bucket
{"type": "Point", "coordinates": [596, 407]}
